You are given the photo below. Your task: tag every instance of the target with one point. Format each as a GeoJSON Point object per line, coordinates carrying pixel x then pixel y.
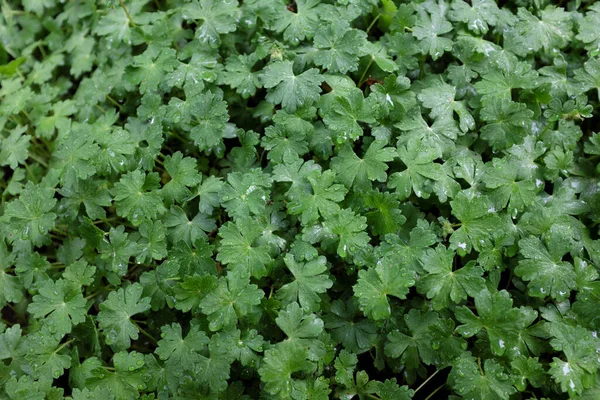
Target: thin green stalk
{"type": "Point", "coordinates": [131, 23]}
{"type": "Point", "coordinates": [364, 74]}
{"type": "Point", "coordinates": [435, 391]}
{"type": "Point", "coordinates": [427, 380]}
{"type": "Point", "coordinates": [546, 128]}
{"type": "Point", "coordinates": [30, 173]}
{"type": "Point", "coordinates": [105, 220]}
{"type": "Point", "coordinates": [90, 296]}
{"type": "Point", "coordinates": [59, 232]}
{"type": "Point", "coordinates": [422, 66]}
{"type": "Point", "coordinates": [62, 346]}
{"type": "Point", "coordinates": [373, 22]}
{"type": "Point", "coordinates": [176, 136]}
{"type": "Point", "coordinates": [116, 103]}
{"type": "Point", "coordinates": [149, 336]}
{"type": "Point", "coordinates": [38, 159]}
{"type": "Point", "coordinates": [42, 50]}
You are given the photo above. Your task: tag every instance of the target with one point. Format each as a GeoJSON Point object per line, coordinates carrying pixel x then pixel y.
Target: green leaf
{"type": "Point", "coordinates": [280, 363]}
{"type": "Point", "coordinates": [349, 229]}
{"type": "Point", "coordinates": [149, 68]}
{"type": "Point", "coordinates": [443, 283]}
{"type": "Point", "coordinates": [422, 175]}
{"type": "Point", "coordinates": [153, 245]}
{"type": "Point", "coordinates": [92, 194]}
{"type": "Point", "coordinates": [192, 290]}
{"type": "Point", "coordinates": [545, 271]}
{"type": "Point", "coordinates": [338, 47]}
{"type": "Point", "coordinates": [14, 149]}
{"type": "Point", "coordinates": [478, 15]}
{"type": "Point", "coordinates": [181, 228]}
{"type": "Point", "coordinates": [417, 346]}
{"type": "Point", "coordinates": [508, 189]}
{"type": "Point", "coordinates": [239, 75]}
{"type": "Point", "coordinates": [528, 370]}
{"type": "Point", "coordinates": [180, 352]}
{"type": "Point", "coordinates": [477, 218]}
{"type": "Point", "coordinates": [218, 17]}
{"type": "Point", "coordinates": [440, 98]}
{"type": "Point", "coordinates": [553, 30]}
{"type": "Point", "coordinates": [302, 329]}
{"type": "Point", "coordinates": [288, 89]}
{"type": "Point", "coordinates": [323, 201]}
{"type": "Point", "coordinates": [74, 154]}
{"type": "Point", "coordinates": [375, 284]}
{"type": "Point", "coordinates": [118, 250]}
{"type": "Point", "coordinates": [136, 197]}
{"type": "Point", "coordinates": [499, 80]}
{"type": "Point", "coordinates": [309, 282]}
{"type": "Point", "coordinates": [233, 298]}
{"type": "Point", "coordinates": [80, 273]}
{"type": "Point", "coordinates": [588, 32]}
{"type": "Point", "coordinates": [239, 248]}
{"type": "Point", "coordinates": [503, 324]}
{"type": "Point", "coordinates": [183, 175]}
{"type": "Point", "coordinates": [506, 122]}
{"type": "Point", "coordinates": [298, 24]}
{"type": "Point", "coordinates": [344, 113]}
{"type": "Point", "coordinates": [61, 304]}
{"type": "Point", "coordinates": [114, 318]}
{"type": "Point", "coordinates": [283, 145]}
{"type": "Point", "coordinates": [579, 347]}
{"type": "Point", "coordinates": [429, 28]}
{"type": "Point", "coordinates": [343, 322]}
{"type": "Point", "coordinates": [471, 380]}
{"type": "Point", "coordinates": [355, 171]}
{"type": "Point", "coordinates": [11, 290]}
{"type": "Point", "coordinates": [385, 216]}
{"type": "Point", "coordinates": [127, 379]}
{"type": "Point", "coordinates": [30, 216]}
{"type": "Point", "coordinates": [246, 193]}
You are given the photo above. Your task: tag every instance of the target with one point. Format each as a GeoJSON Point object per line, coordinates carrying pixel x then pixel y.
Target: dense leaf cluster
{"type": "Point", "coordinates": [372, 199]}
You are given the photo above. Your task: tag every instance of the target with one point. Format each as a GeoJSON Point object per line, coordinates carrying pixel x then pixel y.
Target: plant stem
{"type": "Point", "coordinates": [59, 232]}
{"type": "Point", "coordinates": [362, 77]}
{"type": "Point", "coordinates": [541, 137]}
{"type": "Point", "coordinates": [373, 22]}
{"type": "Point", "coordinates": [422, 66]}
{"type": "Point", "coordinates": [116, 103]}
{"type": "Point", "coordinates": [176, 136]}
{"type": "Point", "coordinates": [149, 336]}
{"type": "Point", "coordinates": [63, 346]}
{"type": "Point", "coordinates": [42, 50]}
{"type": "Point", "coordinates": [426, 380]}
{"type": "Point", "coordinates": [435, 391]}
{"type": "Point", "coordinates": [131, 23]}
{"type": "Point", "coordinates": [105, 220]}
{"type": "Point", "coordinates": [38, 159]}
{"type": "Point", "coordinates": [30, 172]}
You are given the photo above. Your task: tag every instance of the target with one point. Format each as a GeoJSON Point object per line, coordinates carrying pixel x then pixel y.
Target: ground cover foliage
{"type": "Point", "coordinates": [354, 199]}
